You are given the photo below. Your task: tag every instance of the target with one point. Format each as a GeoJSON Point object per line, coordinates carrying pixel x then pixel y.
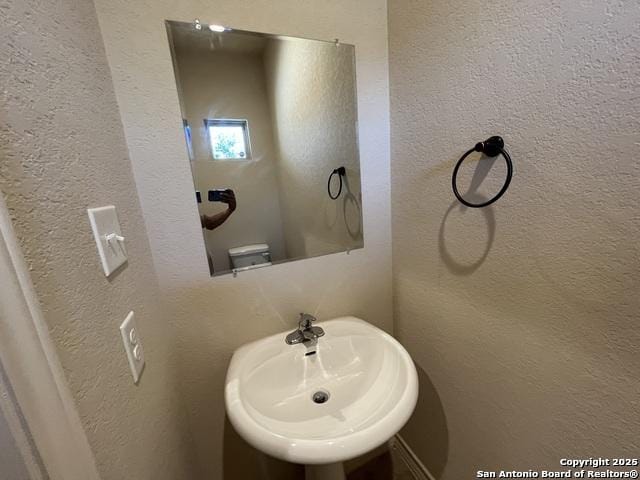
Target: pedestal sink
{"type": "Point", "coordinates": [321, 404]}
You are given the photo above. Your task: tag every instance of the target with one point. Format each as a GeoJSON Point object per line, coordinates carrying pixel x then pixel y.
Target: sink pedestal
{"type": "Point", "coordinates": [330, 471]}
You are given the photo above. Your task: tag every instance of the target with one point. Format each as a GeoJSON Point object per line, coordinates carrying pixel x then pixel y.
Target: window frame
{"type": "Point", "coordinates": [229, 122]}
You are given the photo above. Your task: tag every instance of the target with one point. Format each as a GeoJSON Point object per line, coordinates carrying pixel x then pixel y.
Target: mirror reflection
{"type": "Point", "coordinates": [270, 124]}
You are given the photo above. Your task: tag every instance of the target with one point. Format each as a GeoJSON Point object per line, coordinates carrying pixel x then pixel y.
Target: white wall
{"type": "Point", "coordinates": [217, 315]}
{"type": "Point", "coordinates": [62, 149]}
{"type": "Point", "coordinates": [311, 89]}
{"type": "Point", "coordinates": [530, 353]}
{"type": "Point", "coordinates": [232, 85]}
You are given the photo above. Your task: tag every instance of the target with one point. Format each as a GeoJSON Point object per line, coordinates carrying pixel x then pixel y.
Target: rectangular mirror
{"type": "Point", "coordinates": [270, 124]}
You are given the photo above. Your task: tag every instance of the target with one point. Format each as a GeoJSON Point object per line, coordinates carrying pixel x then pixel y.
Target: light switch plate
{"type": "Point", "coordinates": [132, 345]}
{"type": "Point", "coordinates": [109, 239]}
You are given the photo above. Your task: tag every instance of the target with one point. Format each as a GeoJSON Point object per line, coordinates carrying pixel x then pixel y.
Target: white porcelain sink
{"type": "Point", "coordinates": [370, 380]}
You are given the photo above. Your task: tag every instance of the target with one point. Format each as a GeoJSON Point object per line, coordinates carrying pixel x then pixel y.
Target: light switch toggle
{"type": "Point", "coordinates": [114, 239]}
{"type": "Point", "coordinates": [114, 236]}
{"type": "Point", "coordinates": [109, 238]}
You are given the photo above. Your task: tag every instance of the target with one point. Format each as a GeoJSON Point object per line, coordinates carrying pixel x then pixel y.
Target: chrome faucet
{"type": "Point", "coordinates": [305, 333]}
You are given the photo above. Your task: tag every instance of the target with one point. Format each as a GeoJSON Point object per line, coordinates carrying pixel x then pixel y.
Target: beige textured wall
{"type": "Point", "coordinates": [62, 150]}
{"type": "Point", "coordinates": [217, 315]}
{"type": "Point", "coordinates": [231, 85]}
{"type": "Point", "coordinates": [523, 317]}
{"type": "Point", "coordinates": [311, 89]}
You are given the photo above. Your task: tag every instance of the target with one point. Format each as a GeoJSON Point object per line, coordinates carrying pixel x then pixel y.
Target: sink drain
{"type": "Point", "coordinates": [321, 396]}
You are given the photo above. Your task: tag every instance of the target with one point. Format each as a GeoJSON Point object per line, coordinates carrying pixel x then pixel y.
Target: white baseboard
{"type": "Point", "coordinates": [409, 459]}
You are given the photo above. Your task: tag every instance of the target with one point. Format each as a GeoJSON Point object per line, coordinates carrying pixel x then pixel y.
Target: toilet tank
{"type": "Point", "coordinates": [250, 256]}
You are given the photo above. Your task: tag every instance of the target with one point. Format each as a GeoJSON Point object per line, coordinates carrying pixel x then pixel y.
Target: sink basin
{"type": "Point", "coordinates": [350, 396]}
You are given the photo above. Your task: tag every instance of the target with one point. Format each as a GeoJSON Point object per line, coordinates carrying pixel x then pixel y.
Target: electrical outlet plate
{"type": "Point", "coordinates": [108, 236]}
{"type": "Point", "coordinates": [133, 346]}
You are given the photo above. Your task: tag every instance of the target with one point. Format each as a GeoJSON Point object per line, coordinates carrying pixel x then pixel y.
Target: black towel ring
{"type": "Point", "coordinates": [491, 147]}
{"type": "Point", "coordinates": [341, 172]}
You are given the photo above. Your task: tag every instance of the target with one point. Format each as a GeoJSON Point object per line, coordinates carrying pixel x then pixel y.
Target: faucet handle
{"type": "Point", "coordinates": [306, 320]}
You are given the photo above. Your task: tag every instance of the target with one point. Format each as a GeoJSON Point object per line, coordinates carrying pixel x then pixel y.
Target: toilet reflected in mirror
{"type": "Point", "coordinates": [250, 256]}
{"type": "Point", "coordinates": [270, 125]}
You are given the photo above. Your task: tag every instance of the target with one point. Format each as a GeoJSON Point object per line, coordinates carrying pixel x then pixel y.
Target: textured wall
{"type": "Point", "coordinates": [217, 315]}
{"type": "Point", "coordinates": [311, 91]}
{"type": "Point", "coordinates": [62, 149]}
{"type": "Point", "coordinates": [523, 317]}
{"type": "Point", "coordinates": [231, 85]}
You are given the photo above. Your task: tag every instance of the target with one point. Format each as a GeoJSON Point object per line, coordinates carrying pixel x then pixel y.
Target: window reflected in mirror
{"type": "Point", "coordinates": [229, 139]}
